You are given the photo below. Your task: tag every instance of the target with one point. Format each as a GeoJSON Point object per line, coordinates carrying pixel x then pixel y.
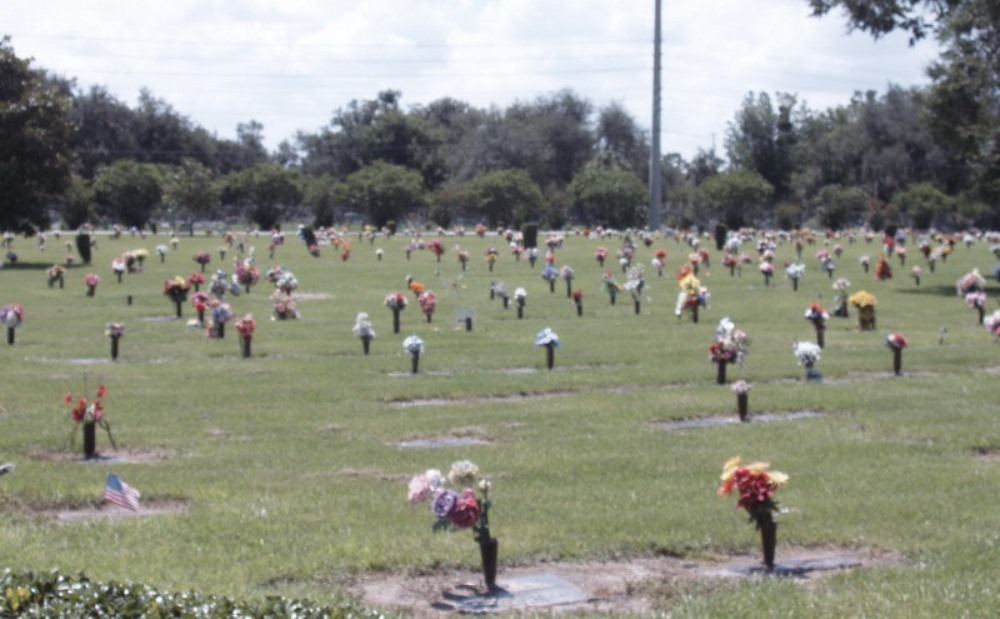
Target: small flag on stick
{"type": "Point", "coordinates": [121, 494]}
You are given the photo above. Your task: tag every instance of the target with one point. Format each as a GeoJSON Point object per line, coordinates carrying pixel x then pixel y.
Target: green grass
{"type": "Point", "coordinates": [259, 449]}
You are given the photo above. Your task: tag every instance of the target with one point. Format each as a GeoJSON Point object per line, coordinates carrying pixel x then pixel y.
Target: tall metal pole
{"type": "Point", "coordinates": [655, 178]}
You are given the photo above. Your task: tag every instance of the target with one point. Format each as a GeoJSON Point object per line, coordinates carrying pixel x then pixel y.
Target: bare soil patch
{"type": "Point", "coordinates": [638, 586]}
{"type": "Point", "coordinates": [990, 453]}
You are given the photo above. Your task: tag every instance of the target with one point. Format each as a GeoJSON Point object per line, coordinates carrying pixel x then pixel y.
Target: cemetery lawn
{"type": "Point", "coordinates": [284, 473]}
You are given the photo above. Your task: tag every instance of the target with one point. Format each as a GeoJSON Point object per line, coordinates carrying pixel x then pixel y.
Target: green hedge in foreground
{"type": "Point", "coordinates": [53, 594]}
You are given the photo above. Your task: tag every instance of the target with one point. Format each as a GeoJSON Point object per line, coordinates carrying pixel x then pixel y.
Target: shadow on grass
{"type": "Point", "coordinates": [38, 266]}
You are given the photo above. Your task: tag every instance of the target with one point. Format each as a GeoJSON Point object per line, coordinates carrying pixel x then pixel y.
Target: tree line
{"type": "Point", "coordinates": [909, 156]}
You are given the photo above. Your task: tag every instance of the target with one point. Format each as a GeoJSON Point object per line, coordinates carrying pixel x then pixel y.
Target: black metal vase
{"type": "Point", "coordinates": [488, 551]}
{"type": "Point", "coordinates": [10, 336]}
{"type": "Point", "coordinates": [89, 440]}
{"type": "Point", "coordinates": [768, 538]}
{"type": "Point", "coordinates": [720, 374]}
{"type": "Point", "coordinates": [743, 406]}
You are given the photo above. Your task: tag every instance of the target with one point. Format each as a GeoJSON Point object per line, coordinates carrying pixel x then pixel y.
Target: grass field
{"type": "Point", "coordinates": [293, 479]}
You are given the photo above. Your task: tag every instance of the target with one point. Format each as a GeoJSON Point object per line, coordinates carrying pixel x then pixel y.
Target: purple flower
{"type": "Point", "coordinates": [444, 503]}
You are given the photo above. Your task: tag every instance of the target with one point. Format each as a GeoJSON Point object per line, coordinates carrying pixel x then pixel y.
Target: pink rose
{"type": "Point", "coordinates": [466, 512]}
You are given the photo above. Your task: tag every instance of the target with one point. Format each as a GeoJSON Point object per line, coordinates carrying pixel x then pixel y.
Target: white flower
{"type": "Point", "coordinates": [363, 326]}
{"type": "Point", "coordinates": [806, 352]}
{"type": "Point", "coordinates": [413, 345]}
{"type": "Point", "coordinates": [547, 337]}
{"type": "Point", "coordinates": [463, 473]}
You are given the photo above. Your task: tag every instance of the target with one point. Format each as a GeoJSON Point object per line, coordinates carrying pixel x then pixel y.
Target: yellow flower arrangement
{"type": "Point", "coordinates": [862, 298]}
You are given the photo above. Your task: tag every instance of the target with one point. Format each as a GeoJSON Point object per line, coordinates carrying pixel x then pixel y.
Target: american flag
{"type": "Point", "coordinates": [121, 494]}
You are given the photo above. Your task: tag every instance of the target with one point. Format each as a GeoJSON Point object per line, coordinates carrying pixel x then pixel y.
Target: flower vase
{"type": "Point", "coordinates": [493, 293]}
{"type": "Point", "coordinates": [201, 316]}
{"type": "Point", "coordinates": [177, 307]}
{"type": "Point", "coordinates": [767, 280]}
{"type": "Point", "coordinates": [488, 551]}
{"type": "Point", "coordinates": [552, 285]}
{"type": "Point", "coordinates": [520, 310]}
{"type": "Point", "coordinates": [395, 320]}
{"type": "Point", "coordinates": [768, 538]}
{"type": "Point", "coordinates": [720, 374]}
{"type": "Point", "coordinates": [579, 309]}
{"type": "Point", "coordinates": [694, 313]}
{"type": "Point", "coordinates": [637, 304]}
{"type": "Point", "coordinates": [795, 285]}
{"type": "Point", "coordinates": [366, 342]}
{"type": "Point", "coordinates": [90, 290]}
{"type": "Point", "coordinates": [119, 274]}
{"type": "Point", "coordinates": [114, 347]}
{"type": "Point", "coordinates": [197, 286]}
{"type": "Point", "coordinates": [491, 267]}
{"type": "Point", "coordinates": [62, 283]}
{"type": "Point", "coordinates": [220, 330]}
{"type": "Point", "coordinates": [732, 270]}
{"type": "Point", "coordinates": [569, 289]}
{"type": "Point", "coordinates": [245, 347]}
{"type": "Point", "coordinates": [820, 337]}
{"type": "Point", "coordinates": [89, 440]}
{"type": "Point", "coordinates": [550, 356]}
{"type": "Point", "coordinates": [506, 301]}
{"type": "Point", "coordinates": [743, 406]}
{"type": "Point", "coordinates": [10, 336]}
{"type": "Point", "coordinates": [202, 266]}
{"type": "Point", "coordinates": [897, 361]}
{"type": "Point", "coordinates": [982, 314]}
{"type": "Point", "coordinates": [414, 362]}
{"type": "Point", "coordinates": [468, 325]}
{"type": "Point", "coordinates": [866, 318]}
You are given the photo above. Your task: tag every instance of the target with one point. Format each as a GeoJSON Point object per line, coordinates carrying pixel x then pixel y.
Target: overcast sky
{"type": "Point", "coordinates": [289, 64]}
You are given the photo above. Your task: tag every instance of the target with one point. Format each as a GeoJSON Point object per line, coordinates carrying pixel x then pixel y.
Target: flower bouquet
{"type": "Point", "coordinates": [199, 301]}
{"type": "Point", "coordinates": [992, 323]}
{"type": "Point", "coordinates": [550, 340]}
{"type": "Point", "coordinates": [91, 280]}
{"type": "Point", "coordinates": [659, 261]}
{"type": "Point", "coordinates": [767, 268]}
{"type": "Point", "coordinates": [90, 414]}
{"type": "Point", "coordinates": [841, 285]}
{"type": "Point", "coordinates": [161, 251]}
{"type": "Point", "coordinates": [730, 261]}
{"type": "Point", "coordinates": [118, 267]}
{"type": "Point", "coordinates": [730, 346]}
{"type": "Point", "coordinates": [11, 317]}
{"type": "Point", "coordinates": [114, 330]}
{"type": "Point", "coordinates": [363, 329]}
{"type": "Point", "coordinates": [977, 301]}
{"type": "Point", "coordinates": [550, 274]}
{"type": "Point", "coordinates": [460, 509]}
{"type": "Point", "coordinates": [601, 254]}
{"type": "Point", "coordinates": [692, 295]}
{"type": "Point", "coordinates": [396, 302]}
{"type": "Point", "coordinates": [865, 302]}
{"type": "Point", "coordinates": [286, 282]}
{"type": "Point", "coordinates": [817, 315]}
{"type": "Point", "coordinates": [568, 275]}
{"type": "Point", "coordinates": [794, 272]}
{"type": "Point", "coordinates": [916, 273]}
{"type": "Point", "coordinates": [428, 303]}
{"type": "Point", "coordinates": [973, 281]}
{"type": "Point", "coordinates": [883, 270]}
{"type": "Point", "coordinates": [610, 286]}
{"type": "Point", "coordinates": [491, 257]}
{"type": "Point", "coordinates": [195, 280]}
{"type": "Point", "coordinates": [221, 313]}
{"type": "Point", "coordinates": [437, 248]}
{"type": "Point", "coordinates": [203, 258]}
{"type": "Point", "coordinates": [807, 355]}
{"type": "Point", "coordinates": [634, 283]}
{"type": "Point", "coordinates": [742, 390]}
{"type": "Point", "coordinates": [246, 275]}
{"type": "Point", "coordinates": [177, 289]}
{"type": "Point", "coordinates": [463, 258]}
{"type": "Point", "coordinates": [520, 297]}
{"type": "Point", "coordinates": [245, 327]}
{"type": "Point", "coordinates": [756, 486]}
{"type": "Point", "coordinates": [578, 301]}
{"type": "Point", "coordinates": [284, 306]}
{"type": "Point", "coordinates": [55, 274]}
{"type": "Point", "coordinates": [415, 346]}
{"type": "Point", "coordinates": [865, 262]}
{"type": "Point", "coordinates": [896, 342]}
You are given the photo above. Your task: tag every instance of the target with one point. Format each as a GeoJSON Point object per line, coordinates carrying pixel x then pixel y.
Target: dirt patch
{"type": "Point", "coordinates": [105, 456]}
{"type": "Point", "coordinates": [640, 586]}
{"type": "Point", "coordinates": [991, 453]}
{"type": "Point", "coordinates": [312, 296]}
{"type": "Point", "coordinates": [517, 397]}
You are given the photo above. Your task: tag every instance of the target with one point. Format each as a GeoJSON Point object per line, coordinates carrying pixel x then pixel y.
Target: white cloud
{"type": "Point", "coordinates": [289, 64]}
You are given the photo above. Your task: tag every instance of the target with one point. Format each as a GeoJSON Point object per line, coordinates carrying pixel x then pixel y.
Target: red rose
{"type": "Point", "coordinates": [466, 512]}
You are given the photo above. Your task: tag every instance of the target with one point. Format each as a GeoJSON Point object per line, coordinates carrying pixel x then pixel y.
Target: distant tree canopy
{"type": "Point", "coordinates": [556, 159]}
{"type": "Point", "coordinates": [34, 144]}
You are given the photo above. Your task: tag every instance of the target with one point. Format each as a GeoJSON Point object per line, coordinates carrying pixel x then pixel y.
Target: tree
{"type": "Point", "coordinates": [319, 196]}
{"type": "Point", "coordinates": [34, 144]}
{"type": "Point", "coordinates": [102, 131]}
{"type": "Point", "coordinates": [190, 189]}
{"type": "Point", "coordinates": [925, 205]}
{"type": "Point", "coordinates": [737, 199]}
{"type": "Point", "coordinates": [127, 192]}
{"type": "Point", "coordinates": [611, 197]}
{"type": "Point", "coordinates": [505, 197]}
{"type": "Point", "coordinates": [838, 207]}
{"type": "Point", "coordinates": [76, 204]}
{"type": "Point", "coordinates": [383, 191]}
{"type": "Point", "coordinates": [761, 139]}
{"type": "Point", "coordinates": [267, 192]}
{"type": "Point", "coordinates": [618, 134]}
{"type": "Point", "coordinates": [965, 94]}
